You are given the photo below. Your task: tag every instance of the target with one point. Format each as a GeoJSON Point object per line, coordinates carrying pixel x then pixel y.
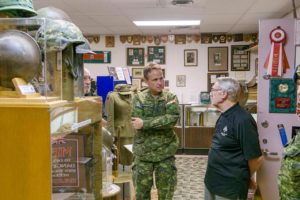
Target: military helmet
{"type": "Point", "coordinates": [58, 34]}
{"type": "Point", "coordinates": [84, 48]}
{"type": "Point", "coordinates": [17, 8]}
{"type": "Point", "coordinates": [20, 57]}
{"type": "Point", "coordinates": [53, 13]}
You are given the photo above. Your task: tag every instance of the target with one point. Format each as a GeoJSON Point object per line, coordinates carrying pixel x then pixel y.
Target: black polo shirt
{"type": "Point", "coordinates": [235, 141]}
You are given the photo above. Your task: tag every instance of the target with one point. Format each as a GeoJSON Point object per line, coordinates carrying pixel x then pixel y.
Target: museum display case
{"type": "Point", "coordinates": [51, 141]}
{"type": "Point", "coordinates": [38, 59]}
{"type": "Point", "coordinates": [199, 122]}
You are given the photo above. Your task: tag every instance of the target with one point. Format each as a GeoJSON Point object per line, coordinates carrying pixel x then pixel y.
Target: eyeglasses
{"type": "Point", "coordinates": [215, 89]}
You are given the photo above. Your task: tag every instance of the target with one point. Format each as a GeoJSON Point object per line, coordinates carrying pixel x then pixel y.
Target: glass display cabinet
{"type": "Point", "coordinates": [199, 125]}
{"type": "Point", "coordinates": [50, 145]}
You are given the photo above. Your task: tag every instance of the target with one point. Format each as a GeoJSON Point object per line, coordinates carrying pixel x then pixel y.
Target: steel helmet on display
{"type": "Point", "coordinates": [58, 34]}
{"type": "Point", "coordinates": [20, 57]}
{"type": "Point", "coordinates": [52, 13]}
{"type": "Point", "coordinates": [17, 8]}
{"type": "Point", "coordinates": [84, 48]}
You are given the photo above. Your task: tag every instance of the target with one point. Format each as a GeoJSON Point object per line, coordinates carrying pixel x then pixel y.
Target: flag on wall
{"type": "Point", "coordinates": [99, 57]}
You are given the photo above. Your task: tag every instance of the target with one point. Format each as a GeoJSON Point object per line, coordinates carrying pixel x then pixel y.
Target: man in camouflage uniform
{"type": "Point", "coordinates": [154, 114]}
{"type": "Point", "coordinates": [289, 174]}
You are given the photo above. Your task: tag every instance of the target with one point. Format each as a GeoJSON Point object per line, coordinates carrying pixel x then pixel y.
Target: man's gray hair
{"type": "Point", "coordinates": [231, 86]}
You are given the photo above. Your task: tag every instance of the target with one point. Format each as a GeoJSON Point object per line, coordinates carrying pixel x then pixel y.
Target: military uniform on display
{"type": "Point", "coordinates": [155, 144]}
{"type": "Point", "coordinates": [289, 173]}
{"type": "Point", "coordinates": [118, 106]}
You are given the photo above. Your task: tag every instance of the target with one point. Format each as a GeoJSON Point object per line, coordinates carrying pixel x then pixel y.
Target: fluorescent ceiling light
{"type": "Point", "coordinates": [168, 23]}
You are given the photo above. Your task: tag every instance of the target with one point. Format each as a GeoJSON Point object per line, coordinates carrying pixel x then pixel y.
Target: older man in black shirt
{"type": "Point", "coordinates": [235, 152]}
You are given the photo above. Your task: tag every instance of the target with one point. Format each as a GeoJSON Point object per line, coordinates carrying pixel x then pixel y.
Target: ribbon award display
{"type": "Point", "coordinates": [276, 62]}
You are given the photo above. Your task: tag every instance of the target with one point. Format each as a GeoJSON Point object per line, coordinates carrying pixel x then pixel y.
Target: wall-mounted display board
{"type": "Point", "coordinates": [240, 58]}
{"type": "Point", "coordinates": [135, 57]}
{"type": "Point", "coordinates": [157, 54]}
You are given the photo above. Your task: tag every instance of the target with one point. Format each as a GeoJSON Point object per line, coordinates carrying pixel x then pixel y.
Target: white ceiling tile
{"type": "Point", "coordinates": [220, 19]}
{"type": "Point", "coordinates": [244, 28]}
{"type": "Point", "coordinates": [253, 18]}
{"type": "Point", "coordinates": [112, 20]}
{"type": "Point", "coordinates": [219, 28]}
{"type": "Point", "coordinates": [228, 6]}
{"type": "Point", "coordinates": [272, 6]}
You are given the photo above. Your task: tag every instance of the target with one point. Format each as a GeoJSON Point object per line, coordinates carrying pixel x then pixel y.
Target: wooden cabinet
{"type": "Point", "coordinates": [28, 131]}
{"type": "Point", "coordinates": [199, 122]}
{"type": "Point", "coordinates": [198, 137]}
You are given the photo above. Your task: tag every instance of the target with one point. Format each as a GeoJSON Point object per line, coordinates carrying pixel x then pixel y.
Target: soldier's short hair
{"type": "Point", "coordinates": [148, 69]}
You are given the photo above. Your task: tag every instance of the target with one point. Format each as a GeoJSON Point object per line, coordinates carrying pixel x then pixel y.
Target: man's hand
{"type": "Point", "coordinates": [137, 123]}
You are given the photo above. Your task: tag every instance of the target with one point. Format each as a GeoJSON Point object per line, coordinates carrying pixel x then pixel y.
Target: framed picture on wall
{"type": "Point", "coordinates": [217, 59]}
{"type": "Point", "coordinates": [180, 80]}
{"type": "Point", "coordinates": [137, 73]}
{"type": "Point", "coordinates": [190, 57]}
{"type": "Point", "coordinates": [240, 58]}
{"type": "Point", "coordinates": [212, 77]}
{"type": "Point", "coordinates": [137, 83]}
{"type": "Point", "coordinates": [157, 54]}
{"type": "Point", "coordinates": [135, 57]}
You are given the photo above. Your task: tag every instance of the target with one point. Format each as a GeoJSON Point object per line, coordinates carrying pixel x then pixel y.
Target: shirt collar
{"type": "Point", "coordinates": [231, 109]}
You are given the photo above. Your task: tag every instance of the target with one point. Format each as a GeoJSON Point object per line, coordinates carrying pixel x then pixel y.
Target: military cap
{"type": "Point", "coordinates": [123, 89]}
{"type": "Point", "coordinates": [17, 8]}
{"type": "Point", "coordinates": [52, 13]}
{"type": "Point", "coordinates": [58, 34]}
{"type": "Point", "coordinates": [84, 48]}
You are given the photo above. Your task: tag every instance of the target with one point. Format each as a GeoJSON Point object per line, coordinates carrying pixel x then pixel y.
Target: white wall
{"type": "Point", "coordinates": [196, 77]}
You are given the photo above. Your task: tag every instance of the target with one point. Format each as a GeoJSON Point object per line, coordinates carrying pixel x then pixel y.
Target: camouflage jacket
{"type": "Point", "coordinates": [289, 174]}
{"type": "Point", "coordinates": [156, 140]}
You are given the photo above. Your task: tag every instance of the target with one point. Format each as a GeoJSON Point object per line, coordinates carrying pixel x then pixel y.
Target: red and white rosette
{"type": "Point", "coordinates": [276, 62]}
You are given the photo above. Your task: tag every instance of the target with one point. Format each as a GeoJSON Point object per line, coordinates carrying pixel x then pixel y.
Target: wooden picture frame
{"type": "Point", "coordinates": [190, 57]}
{"type": "Point", "coordinates": [157, 54]}
{"type": "Point", "coordinates": [137, 83]}
{"type": "Point", "coordinates": [180, 80]}
{"type": "Point", "coordinates": [212, 77]}
{"type": "Point", "coordinates": [217, 59]}
{"type": "Point", "coordinates": [135, 56]}
{"type": "Point", "coordinates": [240, 58]}
{"type": "Point", "coordinates": [138, 73]}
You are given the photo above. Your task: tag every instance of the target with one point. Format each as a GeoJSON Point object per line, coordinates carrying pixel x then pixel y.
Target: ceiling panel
{"type": "Point", "coordinates": [115, 16]}
{"type": "Point", "coordinates": [244, 28]}
{"type": "Point", "coordinates": [220, 19]}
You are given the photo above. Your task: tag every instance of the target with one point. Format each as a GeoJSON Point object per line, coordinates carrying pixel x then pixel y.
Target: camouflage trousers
{"type": "Point", "coordinates": [165, 178]}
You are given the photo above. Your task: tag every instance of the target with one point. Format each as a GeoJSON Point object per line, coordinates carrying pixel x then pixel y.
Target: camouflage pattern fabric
{"type": "Point", "coordinates": [156, 141]}
{"type": "Point", "coordinates": [289, 174]}
{"type": "Point", "coordinates": [165, 178]}
{"type": "Point", "coordinates": [155, 144]}
{"type": "Point", "coordinates": [17, 8]}
{"type": "Point", "coordinates": [58, 34]}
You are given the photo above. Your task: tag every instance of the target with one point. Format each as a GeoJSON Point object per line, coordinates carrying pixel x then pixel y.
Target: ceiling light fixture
{"type": "Point", "coordinates": [168, 23]}
{"type": "Point", "coordinates": [181, 2]}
